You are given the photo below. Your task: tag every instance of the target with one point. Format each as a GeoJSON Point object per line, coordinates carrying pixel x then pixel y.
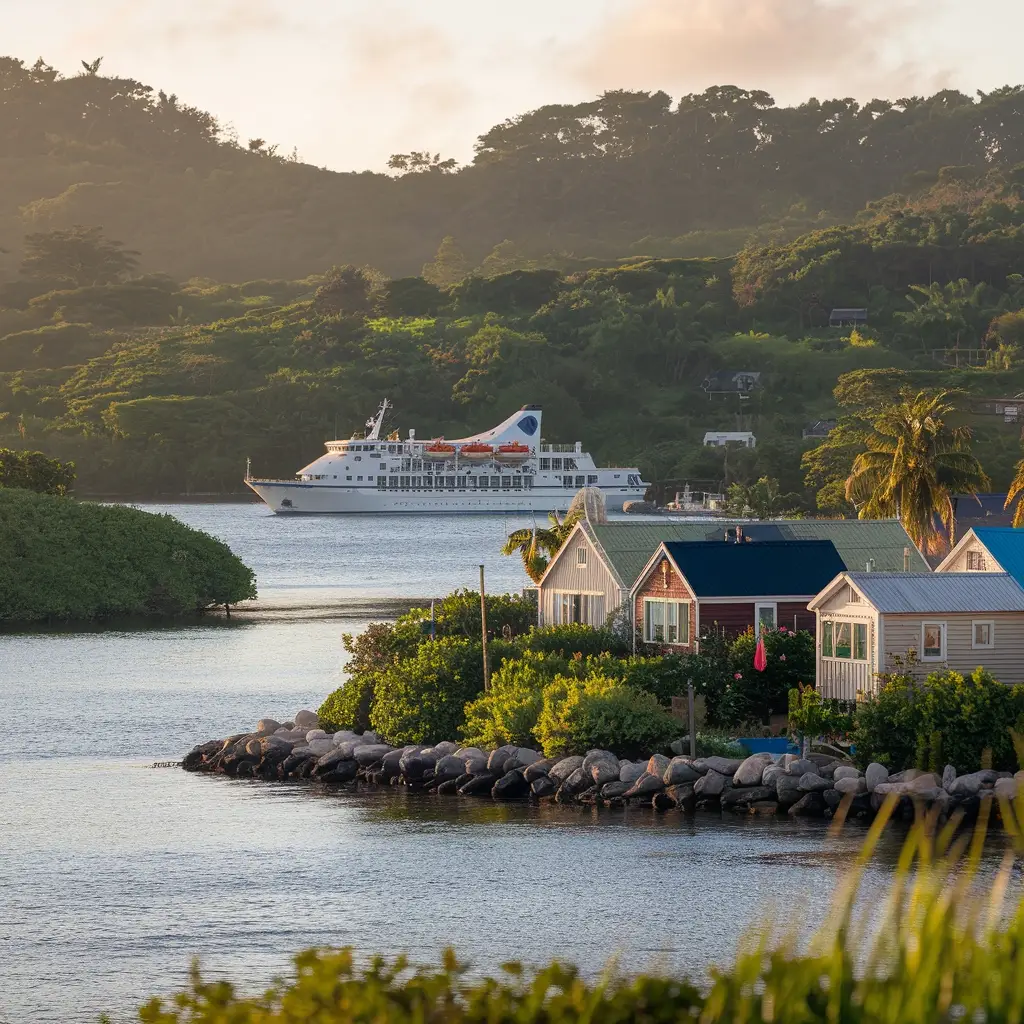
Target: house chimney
{"type": "Point", "coordinates": [870, 566]}
{"type": "Point", "coordinates": [906, 559]}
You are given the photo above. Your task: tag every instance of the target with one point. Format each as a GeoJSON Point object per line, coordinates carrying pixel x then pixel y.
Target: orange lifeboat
{"type": "Point", "coordinates": [512, 453]}
{"type": "Point", "coordinates": [476, 452]}
{"type": "Point", "coordinates": [439, 451]}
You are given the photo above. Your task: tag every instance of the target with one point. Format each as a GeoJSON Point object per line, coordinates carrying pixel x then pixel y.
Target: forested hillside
{"type": "Point", "coordinates": [617, 262]}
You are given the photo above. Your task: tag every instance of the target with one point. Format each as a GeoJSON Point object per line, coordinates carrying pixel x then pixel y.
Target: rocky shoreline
{"type": "Point", "coordinates": [816, 786]}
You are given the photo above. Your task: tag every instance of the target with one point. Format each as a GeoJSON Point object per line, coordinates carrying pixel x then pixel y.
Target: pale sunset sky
{"type": "Point", "coordinates": [349, 82]}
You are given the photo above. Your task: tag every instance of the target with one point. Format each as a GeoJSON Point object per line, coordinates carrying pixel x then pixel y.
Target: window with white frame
{"type": "Point", "coordinates": [983, 634]}
{"type": "Point", "coordinates": [933, 641]}
{"type": "Point", "coordinates": [976, 561]}
{"type": "Point", "coordinates": [766, 616]}
{"type": "Point", "coordinates": [666, 622]}
{"type": "Point", "coordinates": [844, 639]}
{"type": "Point", "coordinates": [581, 555]}
{"type": "Point", "coordinates": [583, 608]}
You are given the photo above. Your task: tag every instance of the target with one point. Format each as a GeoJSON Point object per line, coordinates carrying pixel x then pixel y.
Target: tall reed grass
{"type": "Point", "coordinates": [945, 946]}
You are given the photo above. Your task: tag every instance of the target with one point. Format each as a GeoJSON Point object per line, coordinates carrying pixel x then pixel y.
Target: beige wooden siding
{"type": "Point", "coordinates": [844, 597]}
{"type": "Point", "coordinates": [567, 576]}
{"type": "Point", "coordinates": [1005, 659]}
{"type": "Point", "coordinates": [845, 678]}
{"type": "Point", "coordinates": [959, 564]}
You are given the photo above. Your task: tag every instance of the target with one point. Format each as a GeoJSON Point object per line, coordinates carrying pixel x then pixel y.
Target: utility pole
{"type": "Point", "coordinates": [483, 632]}
{"type": "Point", "coordinates": [692, 719]}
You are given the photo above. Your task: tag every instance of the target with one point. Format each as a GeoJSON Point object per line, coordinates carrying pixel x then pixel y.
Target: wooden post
{"type": "Point", "coordinates": [693, 720]}
{"type": "Point", "coordinates": [483, 632]}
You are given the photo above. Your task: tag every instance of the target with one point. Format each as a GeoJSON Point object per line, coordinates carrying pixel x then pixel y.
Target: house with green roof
{"type": "Point", "coordinates": [591, 576]}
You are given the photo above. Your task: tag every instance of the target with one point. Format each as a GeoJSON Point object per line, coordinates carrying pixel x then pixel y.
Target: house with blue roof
{"type": "Point", "coordinates": [688, 588]}
{"type": "Point", "coordinates": [988, 549]}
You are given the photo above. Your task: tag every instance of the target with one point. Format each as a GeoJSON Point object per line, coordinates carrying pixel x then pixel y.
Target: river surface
{"type": "Point", "coordinates": [114, 874]}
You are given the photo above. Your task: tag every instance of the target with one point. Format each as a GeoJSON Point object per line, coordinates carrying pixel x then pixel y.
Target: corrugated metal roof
{"type": "Point", "coordinates": [767, 568]}
{"type": "Point", "coordinates": [628, 545]}
{"type": "Point", "coordinates": [1006, 546]}
{"type": "Point", "coordinates": [941, 592]}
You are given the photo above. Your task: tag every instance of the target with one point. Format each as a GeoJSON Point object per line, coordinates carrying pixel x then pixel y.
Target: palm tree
{"type": "Point", "coordinates": [914, 464]}
{"type": "Point", "coordinates": [538, 546]}
{"type": "Point", "coordinates": [1017, 492]}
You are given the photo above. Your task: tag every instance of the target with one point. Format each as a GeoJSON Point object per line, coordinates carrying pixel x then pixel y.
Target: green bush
{"type": "Point", "coordinates": [755, 696]}
{"type": "Point", "coordinates": [458, 614]}
{"type": "Point", "coordinates": [422, 699]}
{"type": "Point", "coordinates": [665, 677]}
{"type": "Point", "coordinates": [949, 717]}
{"type": "Point", "coordinates": [33, 471]}
{"type": "Point", "coordinates": [574, 638]}
{"type": "Point", "coordinates": [601, 712]}
{"type": "Point", "coordinates": [348, 707]}
{"type": "Point", "coordinates": [62, 559]}
{"type": "Point", "coordinates": [509, 711]}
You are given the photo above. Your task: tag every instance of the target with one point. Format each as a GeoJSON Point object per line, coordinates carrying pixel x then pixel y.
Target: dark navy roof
{"type": "Point", "coordinates": [763, 568]}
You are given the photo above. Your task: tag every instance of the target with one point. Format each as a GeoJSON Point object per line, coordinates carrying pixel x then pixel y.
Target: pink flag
{"type": "Point", "coordinates": [760, 656]}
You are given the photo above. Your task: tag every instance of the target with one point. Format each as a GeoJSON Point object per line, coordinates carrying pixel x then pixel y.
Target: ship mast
{"type": "Point", "coordinates": [374, 424]}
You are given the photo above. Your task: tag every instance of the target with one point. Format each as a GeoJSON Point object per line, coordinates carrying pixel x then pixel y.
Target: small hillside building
{"type": "Point", "coordinates": [724, 438]}
{"type": "Point", "coordinates": [690, 587]}
{"type": "Point", "coordinates": [591, 576]}
{"type": "Point", "coordinates": [869, 622]}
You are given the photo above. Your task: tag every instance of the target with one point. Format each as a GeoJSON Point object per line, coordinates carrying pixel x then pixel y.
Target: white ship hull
{"type": "Point", "coordinates": [319, 499]}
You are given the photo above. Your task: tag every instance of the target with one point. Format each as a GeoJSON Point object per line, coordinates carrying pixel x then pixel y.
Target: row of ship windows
{"type": "Point", "coordinates": [545, 464]}
{"type": "Point", "coordinates": [446, 482]}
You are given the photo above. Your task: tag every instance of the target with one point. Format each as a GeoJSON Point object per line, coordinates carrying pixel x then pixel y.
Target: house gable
{"type": "Point", "coordinates": [970, 555]}
{"type": "Point", "coordinates": [580, 571]}
{"type": "Point", "coordinates": [661, 581]}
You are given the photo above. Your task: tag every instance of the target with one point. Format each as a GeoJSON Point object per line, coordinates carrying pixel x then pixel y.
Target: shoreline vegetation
{"type": "Point", "coordinates": [943, 946]}
{"type": "Point", "coordinates": [64, 561]}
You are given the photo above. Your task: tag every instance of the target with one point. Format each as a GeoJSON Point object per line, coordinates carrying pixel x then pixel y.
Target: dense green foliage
{"type": "Point", "coordinates": [947, 719]}
{"type": "Point", "coordinates": [945, 945]}
{"type": "Point", "coordinates": [61, 559]}
{"type": "Point", "coordinates": [600, 712]}
{"type": "Point", "coordinates": [33, 471]}
{"type": "Point", "coordinates": [165, 382]}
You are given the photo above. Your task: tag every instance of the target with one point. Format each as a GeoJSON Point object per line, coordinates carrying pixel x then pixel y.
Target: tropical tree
{"type": "Point", "coordinates": [537, 546]}
{"type": "Point", "coordinates": [763, 500]}
{"type": "Point", "coordinates": [76, 257]}
{"type": "Point", "coordinates": [914, 464]}
{"type": "Point", "coordinates": [1016, 494]}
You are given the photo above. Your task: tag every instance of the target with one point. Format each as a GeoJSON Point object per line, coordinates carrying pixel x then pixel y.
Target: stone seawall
{"type": "Point", "coordinates": [816, 786]}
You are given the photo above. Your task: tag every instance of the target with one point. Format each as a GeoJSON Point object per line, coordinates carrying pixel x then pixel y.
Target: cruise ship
{"type": "Point", "coordinates": [506, 469]}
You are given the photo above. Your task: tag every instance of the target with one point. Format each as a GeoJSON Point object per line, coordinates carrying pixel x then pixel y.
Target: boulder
{"type": "Point", "coordinates": [445, 748]}
{"type": "Point", "coordinates": [391, 762]}
{"type": "Point", "coordinates": [593, 756]}
{"type": "Point", "coordinates": [874, 775]}
{"type": "Point", "coordinates": [684, 795]}
{"type": "Point", "coordinates": [615, 790]}
{"type": "Point", "coordinates": [948, 777]}
{"type": "Point", "coordinates": [267, 726]}
{"type": "Point", "coordinates": [244, 769]}
{"type": "Point", "coordinates": [448, 786]}
{"type": "Point", "coordinates": [663, 801]}
{"type": "Point", "coordinates": [764, 808]}
{"type": "Point", "coordinates": [810, 805]}
{"type": "Point", "coordinates": [771, 773]}
{"type": "Point", "coordinates": [408, 755]}
{"type": "Point", "coordinates": [510, 786]}
{"type": "Point", "coordinates": [343, 771]}
{"type": "Point", "coordinates": [525, 756]}
{"type": "Point", "coordinates": [924, 783]}
{"type": "Point", "coordinates": [907, 775]}
{"type": "Point", "coordinates": [274, 753]}
{"type": "Point", "coordinates": [746, 795]}
{"type": "Point", "coordinates": [538, 770]}
{"type": "Point", "coordinates": [722, 765]}
{"type": "Point", "coordinates": [1006, 789]}
{"type": "Point", "coordinates": [657, 765]}
{"type": "Point", "coordinates": [788, 759]}
{"type": "Point", "coordinates": [845, 771]}
{"type": "Point", "coordinates": [787, 789]}
{"type": "Point", "coordinates": [577, 781]}
{"type": "Point", "coordinates": [474, 765]}
{"type": "Point", "coordinates": [327, 762]}
{"type": "Point", "coordinates": [369, 753]}
{"type": "Point", "coordinates": [850, 784]}
{"type": "Point", "coordinates": [307, 720]}
{"type": "Point", "coordinates": [464, 752]}
{"type": "Point", "coordinates": [680, 747]}
{"type": "Point", "coordinates": [542, 786]}
{"type": "Point", "coordinates": [630, 772]}
{"type": "Point", "coordinates": [292, 762]}
{"type": "Point", "coordinates": [712, 784]}
{"type": "Point", "coordinates": [751, 771]}
{"type": "Point", "coordinates": [254, 747]}
{"type": "Point", "coordinates": [802, 767]}
{"type": "Point", "coordinates": [647, 783]}
{"type": "Point", "coordinates": [316, 734]}
{"type": "Point", "coordinates": [971, 785]}
{"type": "Point", "coordinates": [563, 768]}
{"type": "Point", "coordinates": [604, 771]}
{"type": "Point", "coordinates": [811, 782]}
{"type": "Point", "coordinates": [322, 746]}
{"type": "Point", "coordinates": [447, 767]}
{"type": "Point", "coordinates": [833, 798]}
{"type": "Point", "coordinates": [414, 767]}
{"type": "Point", "coordinates": [343, 735]}
{"type": "Point", "coordinates": [195, 759]}
{"type": "Point", "coordinates": [478, 785]}
{"type": "Point", "coordinates": [679, 770]}
{"type": "Point", "coordinates": [498, 757]}
{"type": "Point", "coordinates": [369, 737]}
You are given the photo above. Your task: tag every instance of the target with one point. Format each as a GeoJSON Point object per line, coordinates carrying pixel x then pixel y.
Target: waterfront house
{"type": "Point", "coordinates": [592, 574]}
{"type": "Point", "coordinates": [988, 549]}
{"type": "Point", "coordinates": [869, 622]}
{"type": "Point", "coordinates": [692, 586]}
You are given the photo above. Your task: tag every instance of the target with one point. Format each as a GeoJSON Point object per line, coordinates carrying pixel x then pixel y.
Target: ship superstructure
{"type": "Point", "coordinates": [505, 469]}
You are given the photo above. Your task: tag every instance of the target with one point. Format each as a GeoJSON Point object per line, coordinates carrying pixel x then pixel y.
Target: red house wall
{"type": "Point", "coordinates": [735, 618]}
{"type": "Point", "coordinates": [665, 583]}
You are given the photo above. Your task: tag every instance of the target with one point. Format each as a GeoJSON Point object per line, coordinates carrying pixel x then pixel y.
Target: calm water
{"type": "Point", "coordinates": [113, 874]}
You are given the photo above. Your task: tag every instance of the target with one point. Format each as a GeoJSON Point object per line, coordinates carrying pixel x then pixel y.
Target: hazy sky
{"type": "Point", "coordinates": [349, 82]}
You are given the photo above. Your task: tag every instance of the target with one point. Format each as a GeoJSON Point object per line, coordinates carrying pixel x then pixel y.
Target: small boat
{"type": "Point", "coordinates": [476, 452]}
{"type": "Point", "coordinates": [439, 451]}
{"type": "Point", "coordinates": [513, 453]}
